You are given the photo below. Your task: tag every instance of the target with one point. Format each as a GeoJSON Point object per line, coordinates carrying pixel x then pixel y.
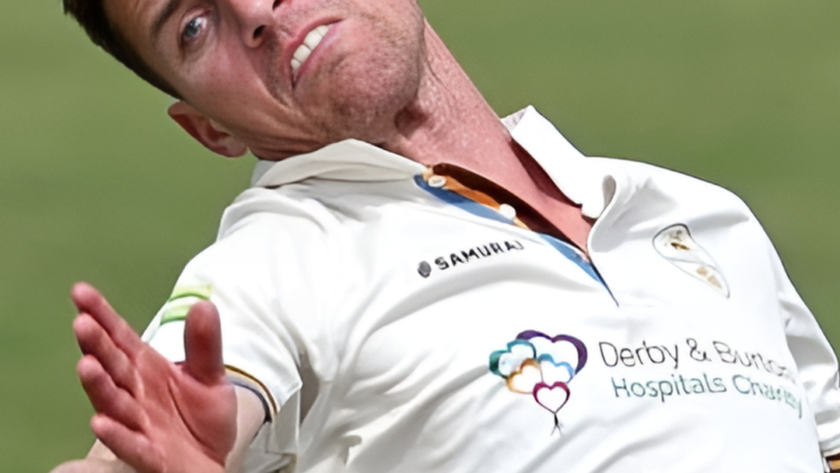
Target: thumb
{"type": "Point", "coordinates": [203, 343]}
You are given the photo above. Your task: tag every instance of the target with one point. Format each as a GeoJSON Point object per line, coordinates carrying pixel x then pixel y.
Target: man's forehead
{"type": "Point", "coordinates": [160, 17]}
{"type": "Point", "coordinates": [134, 21]}
{"type": "Point", "coordinates": [135, 18]}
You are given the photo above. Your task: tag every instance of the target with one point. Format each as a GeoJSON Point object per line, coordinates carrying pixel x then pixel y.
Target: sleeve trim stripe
{"type": "Point", "coordinates": [183, 295]}
{"type": "Point", "coordinates": [261, 395]}
{"type": "Point", "coordinates": [200, 292]}
{"type": "Point", "coordinates": [255, 383]}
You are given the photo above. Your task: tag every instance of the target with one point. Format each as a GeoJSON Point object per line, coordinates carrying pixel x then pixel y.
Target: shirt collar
{"type": "Point", "coordinates": [353, 160]}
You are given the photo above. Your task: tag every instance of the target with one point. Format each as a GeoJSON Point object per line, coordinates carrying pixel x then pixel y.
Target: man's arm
{"type": "Point", "coordinates": [816, 362]}
{"type": "Point", "coordinates": [250, 414]}
{"type": "Point", "coordinates": [153, 415]}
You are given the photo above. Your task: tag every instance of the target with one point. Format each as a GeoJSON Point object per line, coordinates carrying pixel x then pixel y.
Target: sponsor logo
{"type": "Point", "coordinates": [662, 372]}
{"type": "Point", "coordinates": [445, 262]}
{"type": "Point", "coordinates": [541, 366]}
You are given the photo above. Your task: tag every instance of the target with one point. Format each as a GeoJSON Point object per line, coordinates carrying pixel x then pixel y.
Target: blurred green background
{"type": "Point", "coordinates": [96, 184]}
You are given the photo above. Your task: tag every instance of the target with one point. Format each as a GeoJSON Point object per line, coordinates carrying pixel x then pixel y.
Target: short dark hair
{"type": "Point", "coordinates": [91, 15]}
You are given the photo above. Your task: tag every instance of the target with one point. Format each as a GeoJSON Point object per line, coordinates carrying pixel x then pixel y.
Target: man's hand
{"type": "Point", "coordinates": [154, 415]}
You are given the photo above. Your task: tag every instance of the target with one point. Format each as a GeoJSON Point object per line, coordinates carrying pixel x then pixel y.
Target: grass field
{"type": "Point", "coordinates": [96, 184]}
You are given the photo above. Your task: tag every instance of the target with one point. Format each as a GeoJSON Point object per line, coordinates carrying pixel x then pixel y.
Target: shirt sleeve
{"type": "Point", "coordinates": [815, 359]}
{"type": "Point", "coordinates": [264, 289]}
{"type": "Point", "coordinates": [256, 355]}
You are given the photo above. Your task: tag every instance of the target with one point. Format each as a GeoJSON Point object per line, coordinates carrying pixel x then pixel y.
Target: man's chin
{"type": "Point", "coordinates": [360, 114]}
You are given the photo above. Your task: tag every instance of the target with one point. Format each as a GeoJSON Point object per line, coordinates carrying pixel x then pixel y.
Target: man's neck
{"type": "Point", "coordinates": [451, 122]}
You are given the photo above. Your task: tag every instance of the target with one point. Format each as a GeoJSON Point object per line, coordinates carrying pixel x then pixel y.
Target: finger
{"type": "Point", "coordinates": [106, 397]}
{"type": "Point", "coordinates": [90, 301]}
{"type": "Point", "coordinates": [94, 340]}
{"type": "Point", "coordinates": [129, 446]}
{"type": "Point", "coordinates": [203, 343]}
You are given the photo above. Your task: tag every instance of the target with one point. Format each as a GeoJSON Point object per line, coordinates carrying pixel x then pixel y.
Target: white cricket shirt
{"type": "Point", "coordinates": [394, 325]}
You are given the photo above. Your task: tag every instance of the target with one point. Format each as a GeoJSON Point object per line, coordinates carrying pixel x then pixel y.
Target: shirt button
{"type": "Point", "coordinates": [507, 211]}
{"type": "Point", "coordinates": [437, 181]}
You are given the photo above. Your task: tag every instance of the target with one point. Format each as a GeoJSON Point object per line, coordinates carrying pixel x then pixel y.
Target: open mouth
{"type": "Point", "coordinates": [310, 42]}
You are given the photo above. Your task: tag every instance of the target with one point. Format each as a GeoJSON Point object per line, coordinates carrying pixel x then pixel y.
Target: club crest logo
{"type": "Point", "coordinates": [676, 245]}
{"type": "Point", "coordinates": [541, 366]}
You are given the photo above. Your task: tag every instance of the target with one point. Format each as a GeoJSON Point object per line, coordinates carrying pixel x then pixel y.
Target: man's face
{"type": "Point", "coordinates": [244, 64]}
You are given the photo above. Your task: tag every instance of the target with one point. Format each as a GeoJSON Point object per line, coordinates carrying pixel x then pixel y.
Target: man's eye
{"type": "Point", "coordinates": [193, 29]}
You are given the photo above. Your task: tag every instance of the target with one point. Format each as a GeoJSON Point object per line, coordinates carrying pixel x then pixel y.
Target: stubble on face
{"type": "Point", "coordinates": [368, 74]}
{"type": "Point", "coordinates": [370, 78]}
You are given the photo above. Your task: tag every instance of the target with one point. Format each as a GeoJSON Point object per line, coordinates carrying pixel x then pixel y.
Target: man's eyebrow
{"type": "Point", "coordinates": [162, 17]}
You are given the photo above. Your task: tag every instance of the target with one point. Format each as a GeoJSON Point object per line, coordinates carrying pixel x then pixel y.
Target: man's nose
{"type": "Point", "coordinates": [254, 17]}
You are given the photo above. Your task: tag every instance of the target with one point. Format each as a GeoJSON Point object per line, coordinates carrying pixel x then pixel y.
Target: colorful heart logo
{"type": "Point", "coordinates": [505, 362]}
{"type": "Point", "coordinates": [555, 372]}
{"type": "Point", "coordinates": [526, 378]}
{"type": "Point", "coordinates": [559, 348]}
{"type": "Point", "coordinates": [541, 366]}
{"type": "Point", "coordinates": [551, 397]}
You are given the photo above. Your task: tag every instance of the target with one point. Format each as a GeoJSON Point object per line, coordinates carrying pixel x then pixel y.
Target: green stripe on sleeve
{"type": "Point", "coordinates": [182, 299]}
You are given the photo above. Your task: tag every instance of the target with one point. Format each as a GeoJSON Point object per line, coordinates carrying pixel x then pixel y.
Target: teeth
{"type": "Point", "coordinates": [312, 40]}
{"type": "Point", "coordinates": [302, 53]}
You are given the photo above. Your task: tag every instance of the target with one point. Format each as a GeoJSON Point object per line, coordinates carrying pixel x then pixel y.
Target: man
{"type": "Point", "coordinates": [414, 285]}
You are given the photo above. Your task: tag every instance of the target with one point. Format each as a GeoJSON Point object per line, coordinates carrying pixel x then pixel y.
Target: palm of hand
{"type": "Point", "coordinates": [184, 415]}
{"type": "Point", "coordinates": [156, 416]}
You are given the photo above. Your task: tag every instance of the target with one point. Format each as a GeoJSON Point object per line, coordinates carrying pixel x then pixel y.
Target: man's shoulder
{"type": "Point", "coordinates": [259, 209]}
{"type": "Point", "coordinates": [677, 185]}
{"type": "Point", "coordinates": [264, 231]}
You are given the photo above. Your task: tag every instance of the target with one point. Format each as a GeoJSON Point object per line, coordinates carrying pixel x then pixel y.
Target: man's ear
{"type": "Point", "coordinates": [206, 131]}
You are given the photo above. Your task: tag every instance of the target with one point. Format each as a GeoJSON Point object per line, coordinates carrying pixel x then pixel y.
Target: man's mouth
{"type": "Point", "coordinates": [310, 42]}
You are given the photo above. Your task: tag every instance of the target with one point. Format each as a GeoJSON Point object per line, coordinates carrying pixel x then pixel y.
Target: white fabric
{"type": "Point", "coordinates": [371, 309]}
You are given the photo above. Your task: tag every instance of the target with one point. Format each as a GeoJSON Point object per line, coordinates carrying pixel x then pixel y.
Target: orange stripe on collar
{"type": "Point", "coordinates": [453, 185]}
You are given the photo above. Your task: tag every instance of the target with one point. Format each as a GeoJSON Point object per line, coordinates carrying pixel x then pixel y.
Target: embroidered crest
{"type": "Point", "coordinates": [676, 245]}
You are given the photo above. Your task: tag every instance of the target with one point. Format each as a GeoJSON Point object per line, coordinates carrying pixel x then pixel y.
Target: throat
{"type": "Point", "coordinates": [450, 128]}
{"type": "Point", "coordinates": [537, 202]}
